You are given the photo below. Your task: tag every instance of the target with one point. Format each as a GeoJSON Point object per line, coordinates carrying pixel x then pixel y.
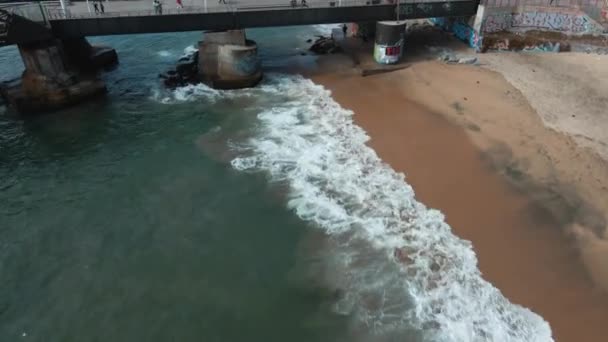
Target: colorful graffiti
{"type": "Point", "coordinates": [554, 21]}
{"type": "Point", "coordinates": [461, 29]}
{"type": "Point", "coordinates": [466, 33]}
{"type": "Point", "coordinates": [505, 44]}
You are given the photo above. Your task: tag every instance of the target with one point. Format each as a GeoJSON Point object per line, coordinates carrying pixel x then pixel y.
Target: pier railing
{"type": "Point", "coordinates": [52, 10]}
{"type": "Point", "coordinates": [34, 11]}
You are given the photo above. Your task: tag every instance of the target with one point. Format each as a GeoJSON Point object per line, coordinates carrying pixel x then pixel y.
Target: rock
{"type": "Point", "coordinates": [186, 68]}
{"type": "Point", "coordinates": [173, 81]}
{"type": "Point", "coordinates": [309, 40]}
{"type": "Point", "coordinates": [103, 57]}
{"type": "Point", "coordinates": [39, 93]}
{"type": "Point", "coordinates": [323, 46]}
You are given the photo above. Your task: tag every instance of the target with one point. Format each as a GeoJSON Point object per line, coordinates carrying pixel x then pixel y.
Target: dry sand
{"type": "Point", "coordinates": [532, 199]}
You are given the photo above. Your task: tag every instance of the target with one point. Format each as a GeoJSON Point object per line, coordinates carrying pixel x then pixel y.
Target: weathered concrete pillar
{"type": "Point", "coordinates": [51, 80]}
{"type": "Point", "coordinates": [228, 60]}
{"type": "Point", "coordinates": [87, 57]}
{"type": "Point", "coordinates": [390, 37]}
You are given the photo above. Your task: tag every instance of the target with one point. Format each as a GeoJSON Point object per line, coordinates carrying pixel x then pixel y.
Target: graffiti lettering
{"type": "Point", "coordinates": [562, 22]}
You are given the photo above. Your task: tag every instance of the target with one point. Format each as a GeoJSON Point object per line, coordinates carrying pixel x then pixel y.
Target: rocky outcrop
{"type": "Point", "coordinates": [185, 72]}
{"type": "Point", "coordinates": [324, 45]}
{"type": "Point", "coordinates": [39, 93]}
{"type": "Point", "coordinates": [86, 57]}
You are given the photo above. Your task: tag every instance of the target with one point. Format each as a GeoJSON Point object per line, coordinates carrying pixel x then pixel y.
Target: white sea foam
{"type": "Point", "coordinates": [164, 53]}
{"type": "Point", "coordinates": [325, 29]}
{"type": "Point", "coordinates": [189, 50]}
{"type": "Point", "coordinates": [401, 264]}
{"type": "Point", "coordinates": [188, 93]}
{"type": "Point", "coordinates": [397, 263]}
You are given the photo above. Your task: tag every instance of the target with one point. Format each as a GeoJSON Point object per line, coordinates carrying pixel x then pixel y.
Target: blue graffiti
{"type": "Point", "coordinates": [248, 65]}
{"type": "Point", "coordinates": [461, 30]}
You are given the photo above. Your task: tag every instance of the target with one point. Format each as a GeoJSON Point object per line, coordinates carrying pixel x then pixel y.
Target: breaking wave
{"type": "Point", "coordinates": [401, 264]}
{"type": "Point", "coordinates": [397, 263]}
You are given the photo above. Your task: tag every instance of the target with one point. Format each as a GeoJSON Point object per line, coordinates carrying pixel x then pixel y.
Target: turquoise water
{"type": "Point", "coordinates": [204, 215]}
{"type": "Point", "coordinates": [118, 226]}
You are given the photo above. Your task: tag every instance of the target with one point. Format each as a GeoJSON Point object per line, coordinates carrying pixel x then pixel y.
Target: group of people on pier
{"type": "Point", "coordinates": [98, 7]}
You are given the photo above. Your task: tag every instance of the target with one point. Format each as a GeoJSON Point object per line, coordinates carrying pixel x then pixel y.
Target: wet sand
{"type": "Point", "coordinates": [439, 141]}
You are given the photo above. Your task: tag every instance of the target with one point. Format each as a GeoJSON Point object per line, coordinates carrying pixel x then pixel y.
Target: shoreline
{"type": "Point", "coordinates": [541, 246]}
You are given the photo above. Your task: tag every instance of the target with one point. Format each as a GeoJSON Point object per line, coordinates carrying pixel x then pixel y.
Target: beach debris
{"type": "Point", "coordinates": [324, 45]}
{"type": "Point", "coordinates": [467, 60]}
{"type": "Point", "coordinates": [448, 58]}
{"type": "Point", "coordinates": [453, 59]}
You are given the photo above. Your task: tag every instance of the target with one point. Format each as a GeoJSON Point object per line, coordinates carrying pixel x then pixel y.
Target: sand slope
{"type": "Point", "coordinates": [472, 146]}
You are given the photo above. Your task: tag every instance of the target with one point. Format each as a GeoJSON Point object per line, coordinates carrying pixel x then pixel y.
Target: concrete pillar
{"type": "Point", "coordinates": [390, 37]}
{"type": "Point", "coordinates": [228, 60]}
{"type": "Point", "coordinates": [476, 38]}
{"type": "Point", "coordinates": [49, 81]}
{"type": "Point", "coordinates": [86, 57]}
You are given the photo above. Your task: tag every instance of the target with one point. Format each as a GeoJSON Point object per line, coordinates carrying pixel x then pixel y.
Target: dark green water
{"type": "Point", "coordinates": [116, 225]}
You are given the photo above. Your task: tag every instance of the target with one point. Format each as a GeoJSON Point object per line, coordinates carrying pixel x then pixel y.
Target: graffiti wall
{"type": "Point", "coordinates": [538, 18]}
{"type": "Point", "coordinates": [517, 15]}
{"type": "Point", "coordinates": [461, 29]}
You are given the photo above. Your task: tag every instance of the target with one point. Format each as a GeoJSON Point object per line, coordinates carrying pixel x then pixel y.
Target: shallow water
{"type": "Point", "coordinates": [253, 215]}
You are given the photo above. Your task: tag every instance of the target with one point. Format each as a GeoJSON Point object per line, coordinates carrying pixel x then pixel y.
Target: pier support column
{"type": "Point", "coordinates": [51, 79]}
{"type": "Point", "coordinates": [390, 37]}
{"type": "Point", "coordinates": [228, 60]}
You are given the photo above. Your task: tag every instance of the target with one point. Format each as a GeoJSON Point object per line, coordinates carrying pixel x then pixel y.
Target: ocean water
{"type": "Point", "coordinates": [204, 215]}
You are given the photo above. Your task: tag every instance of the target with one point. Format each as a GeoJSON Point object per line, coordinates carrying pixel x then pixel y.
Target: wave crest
{"type": "Point", "coordinates": [401, 264]}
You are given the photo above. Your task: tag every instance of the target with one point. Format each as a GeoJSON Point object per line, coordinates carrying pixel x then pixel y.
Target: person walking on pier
{"type": "Point", "coordinates": [96, 8]}
{"type": "Point", "coordinates": [179, 4]}
{"type": "Point", "coordinates": [101, 7]}
{"type": "Point", "coordinates": [158, 7]}
{"type": "Point", "coordinates": [222, 2]}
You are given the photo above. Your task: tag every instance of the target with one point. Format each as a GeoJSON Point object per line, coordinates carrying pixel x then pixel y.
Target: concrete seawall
{"type": "Point", "coordinates": [566, 19]}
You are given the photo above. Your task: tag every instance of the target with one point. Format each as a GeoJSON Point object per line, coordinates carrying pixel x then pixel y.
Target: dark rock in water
{"type": "Point", "coordinates": [323, 46]}
{"type": "Point", "coordinates": [309, 41]}
{"type": "Point", "coordinates": [185, 68]}
{"type": "Point", "coordinates": [173, 81]}
{"type": "Point", "coordinates": [185, 72]}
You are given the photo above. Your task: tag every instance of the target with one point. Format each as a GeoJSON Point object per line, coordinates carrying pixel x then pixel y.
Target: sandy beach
{"type": "Point", "coordinates": [513, 152]}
